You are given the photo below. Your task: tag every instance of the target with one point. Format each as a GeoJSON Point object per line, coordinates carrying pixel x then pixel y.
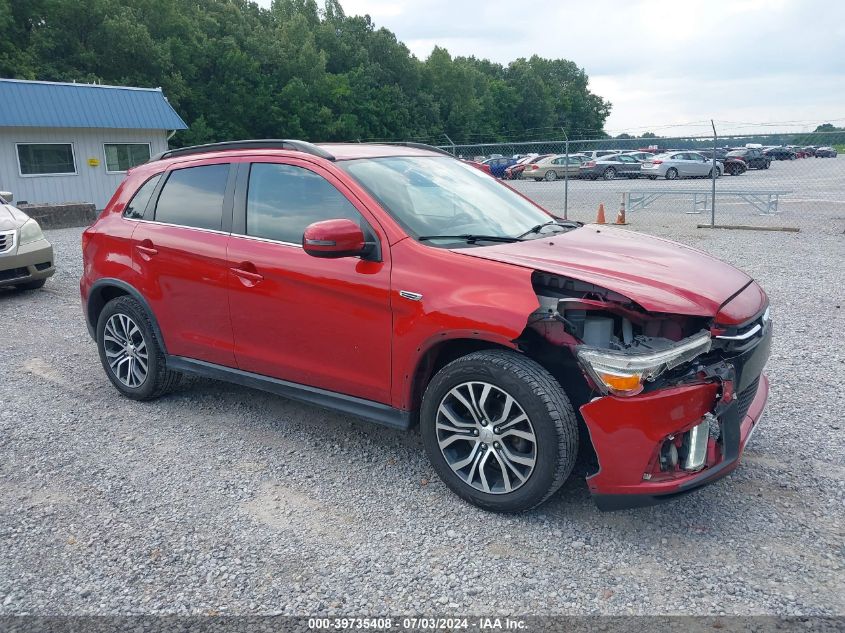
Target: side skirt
{"type": "Point", "coordinates": [365, 409]}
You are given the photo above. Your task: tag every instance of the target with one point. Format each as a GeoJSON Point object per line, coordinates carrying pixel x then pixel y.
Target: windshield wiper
{"type": "Point", "coordinates": [471, 238]}
{"type": "Point", "coordinates": [564, 223]}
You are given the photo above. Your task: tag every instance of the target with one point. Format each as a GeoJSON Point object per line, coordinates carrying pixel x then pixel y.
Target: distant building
{"type": "Point", "coordinates": [64, 142]}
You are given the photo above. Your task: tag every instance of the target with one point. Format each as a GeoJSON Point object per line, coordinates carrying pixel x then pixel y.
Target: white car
{"type": "Point", "coordinates": [673, 165]}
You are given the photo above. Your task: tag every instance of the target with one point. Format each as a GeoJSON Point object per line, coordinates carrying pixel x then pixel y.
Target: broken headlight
{"type": "Point", "coordinates": [624, 373]}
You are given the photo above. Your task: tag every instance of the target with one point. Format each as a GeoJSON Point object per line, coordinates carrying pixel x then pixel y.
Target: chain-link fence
{"type": "Point", "coordinates": [766, 181]}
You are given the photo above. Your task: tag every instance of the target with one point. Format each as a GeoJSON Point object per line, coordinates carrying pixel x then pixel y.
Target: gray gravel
{"type": "Point", "coordinates": [218, 499]}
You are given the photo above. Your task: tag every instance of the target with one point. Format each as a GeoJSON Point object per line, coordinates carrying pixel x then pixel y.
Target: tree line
{"type": "Point", "coordinates": [234, 70]}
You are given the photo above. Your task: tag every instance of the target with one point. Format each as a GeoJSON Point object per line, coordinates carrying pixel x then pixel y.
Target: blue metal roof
{"type": "Point", "coordinates": [48, 104]}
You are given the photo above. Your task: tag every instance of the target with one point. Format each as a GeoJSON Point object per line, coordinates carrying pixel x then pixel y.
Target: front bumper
{"type": "Point", "coordinates": [27, 262]}
{"type": "Point", "coordinates": [627, 433]}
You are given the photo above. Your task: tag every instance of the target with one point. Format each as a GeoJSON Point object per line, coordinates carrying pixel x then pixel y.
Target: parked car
{"type": "Point", "coordinates": [482, 166]}
{"type": "Point", "coordinates": [499, 164]}
{"type": "Point", "coordinates": [599, 153]}
{"type": "Point", "coordinates": [680, 165]}
{"type": "Point", "coordinates": [641, 156]}
{"type": "Point", "coordinates": [826, 152]}
{"type": "Point", "coordinates": [400, 285]}
{"type": "Point", "coordinates": [810, 150]}
{"type": "Point", "coordinates": [780, 153]}
{"type": "Point", "coordinates": [515, 171]}
{"type": "Point", "coordinates": [26, 257]}
{"type": "Point", "coordinates": [609, 167]}
{"type": "Point", "coordinates": [754, 158]}
{"type": "Point", "coordinates": [553, 167]}
{"type": "Point", "coordinates": [732, 166]}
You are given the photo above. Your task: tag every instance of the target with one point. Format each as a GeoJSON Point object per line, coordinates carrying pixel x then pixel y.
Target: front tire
{"type": "Point", "coordinates": [499, 430]}
{"type": "Point", "coordinates": [130, 352]}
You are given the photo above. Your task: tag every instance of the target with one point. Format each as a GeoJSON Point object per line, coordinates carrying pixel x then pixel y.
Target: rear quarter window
{"type": "Point", "coordinates": [138, 204]}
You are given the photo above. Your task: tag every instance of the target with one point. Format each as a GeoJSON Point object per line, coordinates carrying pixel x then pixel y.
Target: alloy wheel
{"type": "Point", "coordinates": [486, 437]}
{"type": "Point", "coordinates": [126, 350]}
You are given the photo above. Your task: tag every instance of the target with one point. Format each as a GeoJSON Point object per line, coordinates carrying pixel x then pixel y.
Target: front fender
{"type": "Point", "coordinates": [459, 298]}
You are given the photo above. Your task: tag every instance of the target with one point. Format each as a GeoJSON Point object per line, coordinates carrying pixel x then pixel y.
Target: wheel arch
{"type": "Point", "coordinates": [439, 354]}
{"type": "Point", "coordinates": [106, 289]}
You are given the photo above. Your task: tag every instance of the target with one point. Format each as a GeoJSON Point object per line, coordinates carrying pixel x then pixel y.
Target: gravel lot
{"type": "Point", "coordinates": [218, 499]}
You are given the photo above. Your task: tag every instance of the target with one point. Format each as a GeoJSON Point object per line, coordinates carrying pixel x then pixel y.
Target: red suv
{"type": "Point", "coordinates": [403, 286]}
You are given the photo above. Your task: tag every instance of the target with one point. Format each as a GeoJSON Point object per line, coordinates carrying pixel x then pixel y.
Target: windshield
{"type": "Point", "coordinates": [432, 196]}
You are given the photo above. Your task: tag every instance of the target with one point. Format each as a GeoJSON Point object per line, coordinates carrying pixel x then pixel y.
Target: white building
{"type": "Point", "coordinates": [74, 142]}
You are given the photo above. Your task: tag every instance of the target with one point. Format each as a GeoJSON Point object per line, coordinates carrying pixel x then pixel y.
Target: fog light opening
{"type": "Point", "coordinates": [693, 452]}
{"type": "Point", "coordinates": [669, 455]}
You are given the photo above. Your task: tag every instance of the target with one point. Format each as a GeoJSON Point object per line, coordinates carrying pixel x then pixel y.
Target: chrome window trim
{"type": "Point", "coordinates": [267, 240]}
{"type": "Point", "coordinates": [178, 226]}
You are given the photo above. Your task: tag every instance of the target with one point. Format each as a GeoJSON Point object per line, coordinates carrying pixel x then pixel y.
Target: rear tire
{"type": "Point", "coordinates": [130, 352]}
{"type": "Point", "coordinates": [550, 176]}
{"type": "Point", "coordinates": [671, 174]}
{"type": "Point", "coordinates": [524, 426]}
{"type": "Point", "coordinates": [609, 173]}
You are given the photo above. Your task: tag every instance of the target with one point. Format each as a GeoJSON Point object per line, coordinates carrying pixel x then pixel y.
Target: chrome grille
{"type": "Point", "coordinates": [7, 241]}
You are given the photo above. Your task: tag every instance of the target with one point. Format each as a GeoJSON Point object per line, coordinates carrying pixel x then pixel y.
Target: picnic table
{"type": "Point", "coordinates": [764, 200]}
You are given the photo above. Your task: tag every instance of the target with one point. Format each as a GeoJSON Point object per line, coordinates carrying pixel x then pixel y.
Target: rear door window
{"type": "Point", "coordinates": [194, 197]}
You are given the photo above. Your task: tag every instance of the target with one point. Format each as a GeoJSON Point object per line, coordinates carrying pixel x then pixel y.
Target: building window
{"type": "Point", "coordinates": [46, 159]}
{"type": "Point", "coordinates": [124, 156]}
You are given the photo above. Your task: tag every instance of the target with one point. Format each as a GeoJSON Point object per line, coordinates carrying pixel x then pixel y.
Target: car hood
{"type": "Point", "coordinates": [11, 218]}
{"type": "Point", "coordinates": [659, 275]}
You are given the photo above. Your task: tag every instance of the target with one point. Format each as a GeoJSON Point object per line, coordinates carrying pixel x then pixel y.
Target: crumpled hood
{"type": "Point", "coordinates": [659, 275]}
{"type": "Point", "coordinates": [11, 218]}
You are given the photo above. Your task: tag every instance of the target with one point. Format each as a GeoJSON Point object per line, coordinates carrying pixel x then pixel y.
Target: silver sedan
{"type": "Point", "coordinates": [675, 165]}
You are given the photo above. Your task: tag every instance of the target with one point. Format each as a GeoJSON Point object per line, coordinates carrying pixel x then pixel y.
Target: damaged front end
{"type": "Point", "coordinates": [668, 400]}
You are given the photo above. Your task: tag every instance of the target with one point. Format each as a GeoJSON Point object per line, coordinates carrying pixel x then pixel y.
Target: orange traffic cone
{"type": "Point", "coordinates": [600, 217]}
{"type": "Point", "coordinates": [620, 217]}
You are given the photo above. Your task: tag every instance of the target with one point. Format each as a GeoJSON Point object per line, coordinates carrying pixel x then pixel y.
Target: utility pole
{"type": "Point", "coordinates": [713, 173]}
{"type": "Point", "coordinates": [566, 177]}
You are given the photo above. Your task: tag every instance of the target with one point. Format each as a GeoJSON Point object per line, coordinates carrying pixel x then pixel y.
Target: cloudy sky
{"type": "Point", "coordinates": [665, 65]}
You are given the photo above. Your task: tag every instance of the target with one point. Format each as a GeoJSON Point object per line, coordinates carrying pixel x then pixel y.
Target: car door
{"type": "Point", "coordinates": [699, 166]}
{"type": "Point", "coordinates": [325, 323]}
{"type": "Point", "coordinates": [683, 165]}
{"type": "Point", "coordinates": [628, 165]}
{"type": "Point", "coordinates": [179, 254]}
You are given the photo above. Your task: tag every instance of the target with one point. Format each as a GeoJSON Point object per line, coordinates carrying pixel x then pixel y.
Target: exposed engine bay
{"type": "Point", "coordinates": [593, 316]}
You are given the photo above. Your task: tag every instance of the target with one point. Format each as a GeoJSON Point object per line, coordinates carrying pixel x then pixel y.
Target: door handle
{"type": "Point", "coordinates": [247, 275]}
{"type": "Point", "coordinates": [147, 249]}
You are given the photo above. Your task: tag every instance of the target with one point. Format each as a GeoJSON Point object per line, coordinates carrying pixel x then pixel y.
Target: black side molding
{"type": "Point", "coordinates": [365, 409]}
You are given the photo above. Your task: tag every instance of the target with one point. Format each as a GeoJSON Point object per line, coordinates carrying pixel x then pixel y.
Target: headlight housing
{"type": "Point", "coordinates": [30, 232]}
{"type": "Point", "coordinates": [624, 374]}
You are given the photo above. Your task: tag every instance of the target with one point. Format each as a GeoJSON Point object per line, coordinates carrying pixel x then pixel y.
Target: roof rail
{"type": "Point", "coordinates": [297, 146]}
{"type": "Point", "coordinates": [430, 148]}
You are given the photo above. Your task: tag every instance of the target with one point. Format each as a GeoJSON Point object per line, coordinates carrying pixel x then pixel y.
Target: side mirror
{"type": "Point", "coordinates": [335, 238]}
{"type": "Point", "coordinates": [7, 196]}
